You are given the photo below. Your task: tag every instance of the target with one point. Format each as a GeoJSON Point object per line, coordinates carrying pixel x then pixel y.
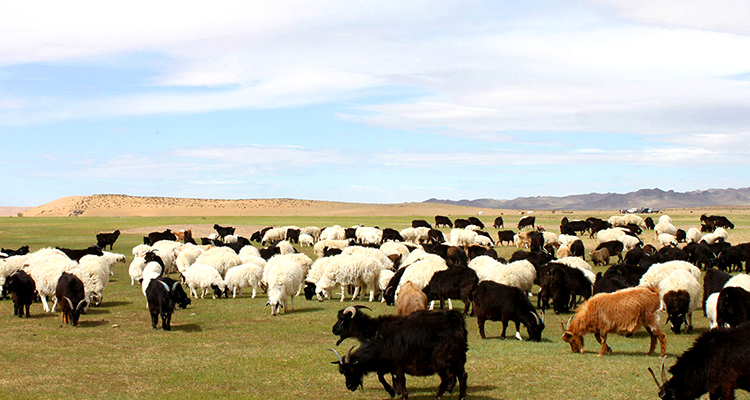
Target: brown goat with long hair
{"type": "Point", "coordinates": [623, 311]}
{"type": "Point", "coordinates": [410, 299]}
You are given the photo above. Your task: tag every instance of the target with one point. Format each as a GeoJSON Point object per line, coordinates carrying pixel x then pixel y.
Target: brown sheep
{"type": "Point", "coordinates": [623, 311]}
{"type": "Point", "coordinates": [600, 257]}
{"type": "Point", "coordinates": [563, 251]}
{"type": "Point", "coordinates": [410, 299]}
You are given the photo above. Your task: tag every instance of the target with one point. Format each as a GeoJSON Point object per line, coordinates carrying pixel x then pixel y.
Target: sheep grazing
{"type": "Point", "coordinates": [665, 239]}
{"type": "Point", "coordinates": [657, 272]}
{"type": "Point", "coordinates": [599, 257]}
{"type": "Point", "coordinates": [495, 302]}
{"type": "Point", "coordinates": [243, 276]}
{"type": "Point", "coordinates": [681, 294]}
{"type": "Point", "coordinates": [444, 221]}
{"type": "Point", "coordinates": [76, 254]}
{"type": "Point", "coordinates": [204, 277]}
{"type": "Point", "coordinates": [284, 280]}
{"type": "Point", "coordinates": [349, 270]}
{"type": "Point", "coordinates": [45, 267]}
{"type": "Point", "coordinates": [306, 240]}
{"type": "Point", "coordinates": [410, 300]}
{"type": "Point", "coordinates": [623, 311]}
{"type": "Point", "coordinates": [220, 258]}
{"type": "Point", "coordinates": [21, 288]}
{"type": "Point", "coordinates": [664, 227]}
{"type": "Point", "coordinates": [713, 281]}
{"type": "Point", "coordinates": [526, 221]}
{"type": "Point", "coordinates": [614, 247]}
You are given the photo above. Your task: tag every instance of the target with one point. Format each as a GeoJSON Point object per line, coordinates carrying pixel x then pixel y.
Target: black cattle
{"type": "Point", "coordinates": [733, 307]}
{"type": "Point", "coordinates": [713, 282]}
{"type": "Point", "coordinates": [23, 250]}
{"type": "Point", "coordinates": [615, 248]}
{"type": "Point", "coordinates": [496, 302]}
{"type": "Point", "coordinates": [716, 221]}
{"type": "Point", "coordinates": [392, 234]}
{"type": "Point", "coordinates": [731, 259]}
{"type": "Point", "coordinates": [681, 236]}
{"type": "Point", "coordinates": [461, 223]}
{"type": "Point", "coordinates": [435, 236]}
{"type": "Point", "coordinates": [420, 223]}
{"type": "Point", "coordinates": [717, 363]}
{"type": "Point", "coordinates": [421, 344]}
{"type": "Point", "coordinates": [498, 223]}
{"type": "Point", "coordinates": [107, 239]}
{"type": "Point", "coordinates": [162, 295]}
{"type": "Point", "coordinates": [444, 221]}
{"type": "Point", "coordinates": [224, 231]}
{"type": "Point", "coordinates": [577, 249]}
{"type": "Point", "coordinates": [505, 236]}
{"type": "Point", "coordinates": [649, 223]}
{"type": "Point", "coordinates": [71, 297]}
{"type": "Point", "coordinates": [292, 235]}
{"type": "Point", "coordinates": [456, 283]}
{"type": "Point", "coordinates": [526, 221]}
{"type": "Point", "coordinates": [154, 237]}
{"type": "Point", "coordinates": [22, 289]}
{"type": "Point", "coordinates": [477, 222]}
{"type": "Point", "coordinates": [77, 254]}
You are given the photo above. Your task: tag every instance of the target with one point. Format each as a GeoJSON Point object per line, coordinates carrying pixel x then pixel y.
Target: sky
{"type": "Point", "coordinates": [372, 101]}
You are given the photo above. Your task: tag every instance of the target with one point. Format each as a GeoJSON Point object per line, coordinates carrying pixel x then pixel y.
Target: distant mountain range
{"type": "Point", "coordinates": [653, 198]}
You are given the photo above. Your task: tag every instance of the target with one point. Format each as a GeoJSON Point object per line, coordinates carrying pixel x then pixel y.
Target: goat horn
{"type": "Point", "coordinates": [69, 302]}
{"type": "Point", "coordinates": [79, 304]}
{"type": "Point", "coordinates": [339, 356]}
{"type": "Point", "coordinates": [567, 324]}
{"type": "Point", "coordinates": [350, 309]}
{"type": "Point", "coordinates": [663, 370]}
{"type": "Point", "coordinates": [175, 285]}
{"type": "Point", "coordinates": [536, 317]}
{"type": "Point", "coordinates": [653, 375]}
{"type": "Point", "coordinates": [562, 326]}
{"type": "Point", "coordinates": [542, 316]}
{"type": "Point", "coordinates": [348, 355]}
{"type": "Point", "coordinates": [359, 306]}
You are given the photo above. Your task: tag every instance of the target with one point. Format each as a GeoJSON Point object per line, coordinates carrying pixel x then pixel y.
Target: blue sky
{"type": "Point", "coordinates": [364, 101]}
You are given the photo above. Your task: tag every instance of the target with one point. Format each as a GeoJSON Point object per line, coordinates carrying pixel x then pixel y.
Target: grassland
{"type": "Point", "coordinates": [234, 348]}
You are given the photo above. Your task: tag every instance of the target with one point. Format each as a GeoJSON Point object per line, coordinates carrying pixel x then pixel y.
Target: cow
{"type": "Point", "coordinates": [162, 295]}
{"type": "Point", "coordinates": [107, 239]}
{"type": "Point", "coordinates": [71, 297]}
{"type": "Point", "coordinates": [22, 289]}
{"type": "Point", "coordinates": [443, 220]}
{"type": "Point", "coordinates": [717, 363]}
{"type": "Point", "coordinates": [422, 344]}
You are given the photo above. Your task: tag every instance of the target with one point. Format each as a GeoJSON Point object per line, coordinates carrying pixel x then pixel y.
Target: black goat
{"type": "Point", "coordinates": [649, 223]}
{"type": "Point", "coordinates": [716, 221]}
{"type": "Point", "coordinates": [224, 231]}
{"type": "Point", "coordinates": [392, 234]}
{"type": "Point", "coordinates": [421, 344]}
{"type": "Point", "coordinates": [498, 223]}
{"type": "Point", "coordinates": [610, 284]}
{"type": "Point", "coordinates": [420, 223]}
{"type": "Point", "coordinates": [23, 250]}
{"type": "Point", "coordinates": [154, 237]}
{"type": "Point", "coordinates": [615, 248]}
{"type": "Point", "coordinates": [528, 220]}
{"type": "Point", "coordinates": [495, 302]}
{"type": "Point", "coordinates": [477, 222]}
{"type": "Point", "coordinates": [107, 239]}
{"type": "Point", "coordinates": [461, 223]}
{"type": "Point", "coordinates": [22, 289]}
{"type": "Point", "coordinates": [444, 221]}
{"type": "Point", "coordinates": [292, 235]}
{"type": "Point", "coordinates": [505, 236]}
{"type": "Point", "coordinates": [453, 283]}
{"type": "Point", "coordinates": [162, 295]}
{"type": "Point", "coordinates": [72, 298]}
{"type": "Point", "coordinates": [577, 249]}
{"type": "Point", "coordinates": [731, 259]}
{"type": "Point", "coordinates": [733, 306]}
{"type": "Point", "coordinates": [76, 255]}
{"type": "Point", "coordinates": [713, 281]}
{"type": "Point", "coordinates": [717, 363]}
{"type": "Point", "coordinates": [435, 236]}
{"type": "Point", "coordinates": [389, 294]}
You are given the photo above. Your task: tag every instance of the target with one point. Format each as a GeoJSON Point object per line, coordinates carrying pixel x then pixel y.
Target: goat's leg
{"type": "Point", "coordinates": [605, 349]}
{"type": "Point", "coordinates": [388, 388]}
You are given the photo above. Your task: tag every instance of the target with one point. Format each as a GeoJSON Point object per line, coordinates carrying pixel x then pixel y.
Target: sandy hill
{"type": "Point", "coordinates": [12, 211]}
{"type": "Point", "coordinates": [124, 206]}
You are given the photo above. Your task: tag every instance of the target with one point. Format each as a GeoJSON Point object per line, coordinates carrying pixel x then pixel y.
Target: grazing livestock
{"type": "Point", "coordinates": [21, 251]}
{"type": "Point", "coordinates": [410, 299]}
{"type": "Point", "coordinates": [498, 223]}
{"type": "Point", "coordinates": [107, 239]}
{"type": "Point", "coordinates": [577, 226]}
{"type": "Point", "coordinates": [716, 221]}
{"type": "Point", "coordinates": [717, 363]}
{"type": "Point", "coordinates": [505, 236]}
{"type": "Point", "coordinates": [162, 295]}
{"type": "Point", "coordinates": [284, 281]}
{"type": "Point", "coordinates": [392, 235]}
{"type": "Point", "coordinates": [71, 295]}
{"type": "Point", "coordinates": [421, 344]}
{"type": "Point", "coordinates": [649, 223]}
{"type": "Point", "coordinates": [223, 230]}
{"type": "Point", "coordinates": [21, 287]}
{"type": "Point", "coordinates": [76, 254]}
{"type": "Point", "coordinates": [477, 222]}
{"type": "Point", "coordinates": [731, 259]}
{"type": "Point", "coordinates": [732, 307]}
{"type": "Point", "coordinates": [352, 322]}
{"type": "Point", "coordinates": [154, 237]}
{"type": "Point", "coordinates": [526, 221]}
{"type": "Point", "coordinates": [623, 311]}
{"type": "Point", "coordinates": [681, 294]}
{"type": "Point", "coordinates": [453, 283]}
{"type": "Point", "coordinates": [444, 221]}
{"type": "Point", "coordinates": [496, 302]}
{"type": "Point", "coordinates": [563, 284]}
{"type": "Point", "coordinates": [713, 281]}
{"type": "Point", "coordinates": [435, 236]}
{"type": "Point", "coordinates": [577, 249]}
{"type": "Point", "coordinates": [420, 223]}
{"type": "Point", "coordinates": [461, 223]}
{"type": "Point", "coordinates": [600, 256]}
{"type": "Point", "coordinates": [614, 247]}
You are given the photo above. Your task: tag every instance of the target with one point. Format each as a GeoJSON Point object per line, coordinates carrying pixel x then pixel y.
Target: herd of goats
{"type": "Point", "coordinates": [418, 266]}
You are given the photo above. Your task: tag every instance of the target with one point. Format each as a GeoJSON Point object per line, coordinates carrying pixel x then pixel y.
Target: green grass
{"type": "Point", "coordinates": [234, 348]}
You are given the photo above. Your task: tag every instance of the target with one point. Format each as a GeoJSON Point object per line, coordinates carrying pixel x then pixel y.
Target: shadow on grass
{"type": "Point", "coordinates": [92, 324]}
{"type": "Point", "coordinates": [110, 304]}
{"type": "Point", "coordinates": [96, 311]}
{"type": "Point", "coordinates": [305, 310]}
{"type": "Point", "coordinates": [428, 392]}
{"type": "Point", "coordinates": [187, 328]}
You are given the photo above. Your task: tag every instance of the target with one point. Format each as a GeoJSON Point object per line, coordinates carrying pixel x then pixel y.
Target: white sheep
{"type": "Point", "coordinates": [578, 263]}
{"type": "Point", "coordinates": [141, 249]}
{"type": "Point", "coordinates": [333, 233]}
{"type": "Point", "coordinates": [485, 267]}
{"type": "Point", "coordinates": [259, 261]}
{"type": "Point", "coordinates": [629, 242]}
{"type": "Point", "coordinates": [563, 251]}
{"type": "Point", "coordinates": [657, 272]}
{"type": "Point", "coordinates": [634, 219]}
{"type": "Point", "coordinates": [483, 241]}
{"type": "Point", "coordinates": [415, 235]}
{"type": "Point", "coordinates": [462, 237]}
{"type": "Point", "coordinates": [10, 265]}
{"type": "Point", "coordinates": [283, 281]}
{"type": "Point", "coordinates": [368, 235]}
{"type": "Point", "coordinates": [274, 235]}
{"type": "Point", "coordinates": [371, 252]}
{"type": "Point", "coordinates": [99, 269]}
{"type": "Point", "coordinates": [518, 274]}
{"type": "Point", "coordinates": [187, 256]}
{"type": "Point", "coordinates": [243, 276]}
{"type": "Point", "coordinates": [306, 240]}
{"type": "Point", "coordinates": [249, 251]}
{"type": "Point", "coordinates": [665, 218]}
{"type": "Point", "coordinates": [711, 303]}
{"type": "Point", "coordinates": [229, 239]}
{"type": "Point", "coordinates": [168, 250]}
{"type": "Point", "coordinates": [384, 277]}
{"type": "Point", "coordinates": [420, 272]}
{"type": "Point", "coordinates": [550, 238]}
{"type": "Point", "coordinates": [136, 269]}
{"type": "Point", "coordinates": [45, 267]}
{"type": "Point", "coordinates": [665, 239]}
{"type": "Point", "coordinates": [203, 277]}
{"type": "Point", "coordinates": [608, 235]}
{"type": "Point", "coordinates": [395, 248]}
{"type": "Point", "coordinates": [419, 255]}
{"type": "Point", "coordinates": [312, 231]}
{"type": "Point", "coordinates": [221, 258]}
{"type": "Point", "coordinates": [681, 279]}
{"type": "Point", "coordinates": [739, 280]}
{"type": "Point", "coordinates": [567, 240]}
{"type": "Point", "coordinates": [347, 270]}
{"type": "Point", "coordinates": [664, 227]}
{"type": "Point", "coordinates": [693, 235]}
{"type": "Point", "coordinates": [285, 247]}
{"type": "Point", "coordinates": [320, 247]}
{"type": "Point", "coordinates": [617, 220]}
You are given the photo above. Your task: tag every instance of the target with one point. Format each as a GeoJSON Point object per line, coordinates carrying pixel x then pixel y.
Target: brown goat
{"type": "Point", "coordinates": [410, 299]}
{"type": "Point", "coordinates": [623, 311]}
{"type": "Point", "coordinates": [600, 257]}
